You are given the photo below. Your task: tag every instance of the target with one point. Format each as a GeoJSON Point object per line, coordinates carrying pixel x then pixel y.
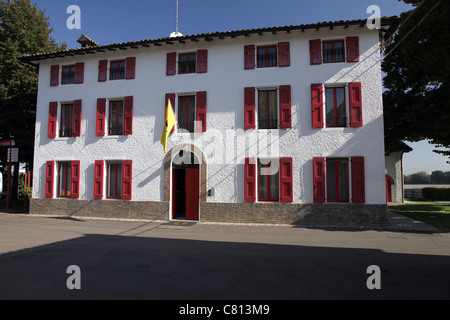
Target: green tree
{"type": "Point", "coordinates": [24, 29]}
{"type": "Point", "coordinates": [417, 100]}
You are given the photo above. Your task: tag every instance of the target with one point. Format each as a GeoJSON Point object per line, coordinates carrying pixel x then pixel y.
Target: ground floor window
{"type": "Point", "coordinates": [268, 180]}
{"type": "Point", "coordinates": [114, 180]}
{"type": "Point", "coordinates": [337, 180]}
{"type": "Point", "coordinates": [64, 177]}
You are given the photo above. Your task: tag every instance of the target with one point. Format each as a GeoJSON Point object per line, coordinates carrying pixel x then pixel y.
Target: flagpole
{"type": "Point", "coordinates": [176, 26]}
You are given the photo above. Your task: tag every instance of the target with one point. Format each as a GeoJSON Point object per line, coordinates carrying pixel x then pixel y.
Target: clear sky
{"type": "Point", "coordinates": [112, 21]}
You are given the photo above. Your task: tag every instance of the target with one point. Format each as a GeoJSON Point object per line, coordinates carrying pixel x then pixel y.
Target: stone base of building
{"type": "Point", "coordinates": [306, 215]}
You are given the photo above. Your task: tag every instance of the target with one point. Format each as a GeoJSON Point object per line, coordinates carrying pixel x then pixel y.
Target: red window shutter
{"type": "Point", "coordinates": [102, 70]}
{"type": "Point", "coordinates": [250, 180]}
{"type": "Point", "coordinates": [98, 180]}
{"type": "Point", "coordinates": [285, 107]}
{"type": "Point", "coordinates": [286, 180]}
{"type": "Point", "coordinates": [171, 67]}
{"type": "Point", "coordinates": [100, 118]}
{"type": "Point", "coordinates": [317, 105]}
{"type": "Point", "coordinates": [79, 73]}
{"type": "Point", "coordinates": [75, 180]}
{"type": "Point", "coordinates": [249, 109]}
{"type": "Point", "coordinates": [128, 116]}
{"type": "Point", "coordinates": [358, 180]}
{"type": "Point", "coordinates": [49, 168]}
{"type": "Point", "coordinates": [315, 51]}
{"type": "Point", "coordinates": [170, 96]}
{"type": "Point", "coordinates": [284, 54]}
{"type": "Point", "coordinates": [77, 118]}
{"type": "Point", "coordinates": [54, 75]}
{"type": "Point", "coordinates": [356, 117]}
{"type": "Point", "coordinates": [249, 57]}
{"type": "Point", "coordinates": [127, 176]}
{"type": "Point", "coordinates": [352, 44]}
{"type": "Point", "coordinates": [52, 119]}
{"type": "Point", "coordinates": [130, 68]}
{"type": "Point", "coordinates": [202, 61]}
{"type": "Point", "coordinates": [319, 179]}
{"type": "Point", "coordinates": [201, 111]}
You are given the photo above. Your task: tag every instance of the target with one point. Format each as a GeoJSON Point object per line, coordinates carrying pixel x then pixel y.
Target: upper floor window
{"type": "Point", "coordinates": [333, 51]}
{"type": "Point", "coordinates": [271, 111]}
{"type": "Point", "coordinates": [66, 125]}
{"type": "Point", "coordinates": [276, 55]}
{"type": "Point", "coordinates": [117, 70]}
{"type": "Point", "coordinates": [68, 74]}
{"type": "Point", "coordinates": [267, 56]}
{"type": "Point", "coordinates": [191, 62]}
{"type": "Point", "coordinates": [267, 109]}
{"type": "Point", "coordinates": [187, 62]}
{"type": "Point", "coordinates": [116, 117]}
{"type": "Point", "coordinates": [186, 112]}
{"type": "Point", "coordinates": [329, 51]}
{"type": "Point", "coordinates": [335, 105]}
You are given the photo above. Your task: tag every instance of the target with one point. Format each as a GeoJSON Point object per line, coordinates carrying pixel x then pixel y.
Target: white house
{"type": "Point", "coordinates": [275, 125]}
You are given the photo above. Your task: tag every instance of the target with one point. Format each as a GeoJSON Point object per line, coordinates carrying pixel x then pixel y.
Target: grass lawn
{"type": "Point", "coordinates": [432, 213]}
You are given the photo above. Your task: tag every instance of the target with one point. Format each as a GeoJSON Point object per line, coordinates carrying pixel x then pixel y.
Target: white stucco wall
{"type": "Point", "coordinates": [224, 82]}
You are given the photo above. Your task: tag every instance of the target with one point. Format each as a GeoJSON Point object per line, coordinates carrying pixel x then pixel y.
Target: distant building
{"type": "Point", "coordinates": [394, 173]}
{"type": "Point", "coordinates": [275, 125]}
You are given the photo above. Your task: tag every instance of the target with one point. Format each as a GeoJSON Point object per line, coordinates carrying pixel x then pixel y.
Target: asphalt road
{"type": "Point", "coordinates": [153, 260]}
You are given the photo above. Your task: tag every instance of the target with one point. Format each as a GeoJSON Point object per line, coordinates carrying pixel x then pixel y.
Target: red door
{"type": "Point", "coordinates": [192, 193]}
{"type": "Point", "coordinates": [389, 183]}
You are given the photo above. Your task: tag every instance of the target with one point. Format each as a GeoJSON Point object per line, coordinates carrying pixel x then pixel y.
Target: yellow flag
{"type": "Point", "coordinates": [169, 123]}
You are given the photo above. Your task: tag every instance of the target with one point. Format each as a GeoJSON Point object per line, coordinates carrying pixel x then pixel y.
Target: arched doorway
{"type": "Point", "coordinates": [168, 186]}
{"type": "Point", "coordinates": [185, 202]}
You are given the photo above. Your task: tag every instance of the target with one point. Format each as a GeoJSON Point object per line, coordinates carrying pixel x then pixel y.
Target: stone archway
{"type": "Point", "coordinates": [168, 165]}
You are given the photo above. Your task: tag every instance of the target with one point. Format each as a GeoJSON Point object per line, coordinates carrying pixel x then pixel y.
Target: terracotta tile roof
{"type": "Point", "coordinates": [388, 24]}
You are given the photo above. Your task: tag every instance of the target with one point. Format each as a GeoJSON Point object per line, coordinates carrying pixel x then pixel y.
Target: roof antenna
{"type": "Point", "coordinates": [176, 33]}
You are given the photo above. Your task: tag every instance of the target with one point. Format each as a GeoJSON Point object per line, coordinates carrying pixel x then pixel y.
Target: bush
{"type": "Point", "coordinates": [436, 194]}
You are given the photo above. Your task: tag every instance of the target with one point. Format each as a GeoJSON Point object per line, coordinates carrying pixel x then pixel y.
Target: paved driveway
{"type": "Point", "coordinates": [150, 260]}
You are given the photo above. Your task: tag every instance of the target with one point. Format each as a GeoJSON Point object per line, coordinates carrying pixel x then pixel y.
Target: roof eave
{"type": "Point", "coordinates": [388, 24]}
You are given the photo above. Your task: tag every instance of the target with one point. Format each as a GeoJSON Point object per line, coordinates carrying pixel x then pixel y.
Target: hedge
{"type": "Point", "coordinates": [436, 194]}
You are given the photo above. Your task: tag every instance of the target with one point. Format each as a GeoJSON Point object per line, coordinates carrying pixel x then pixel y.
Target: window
{"type": "Point", "coordinates": [118, 179]}
{"type": "Point", "coordinates": [116, 117]}
{"type": "Point", "coordinates": [192, 110]}
{"type": "Point", "coordinates": [187, 63]}
{"type": "Point", "coordinates": [337, 180]}
{"type": "Point", "coordinates": [267, 109]}
{"type": "Point", "coordinates": [117, 70]}
{"type": "Point", "coordinates": [114, 180]}
{"type": "Point", "coordinates": [333, 51]}
{"type": "Point", "coordinates": [186, 112]}
{"type": "Point", "coordinates": [335, 104]}
{"type": "Point", "coordinates": [268, 181]}
{"type": "Point", "coordinates": [66, 129]}
{"type": "Point", "coordinates": [68, 74]}
{"type": "Point", "coordinates": [267, 56]}
{"type": "Point", "coordinates": [274, 109]}
{"type": "Point", "coordinates": [64, 177]}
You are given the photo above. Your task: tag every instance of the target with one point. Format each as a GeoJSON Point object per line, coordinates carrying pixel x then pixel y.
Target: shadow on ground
{"type": "Point", "coordinates": [123, 267]}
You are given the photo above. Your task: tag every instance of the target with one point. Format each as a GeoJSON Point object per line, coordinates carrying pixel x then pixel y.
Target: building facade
{"type": "Point", "coordinates": [274, 125]}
